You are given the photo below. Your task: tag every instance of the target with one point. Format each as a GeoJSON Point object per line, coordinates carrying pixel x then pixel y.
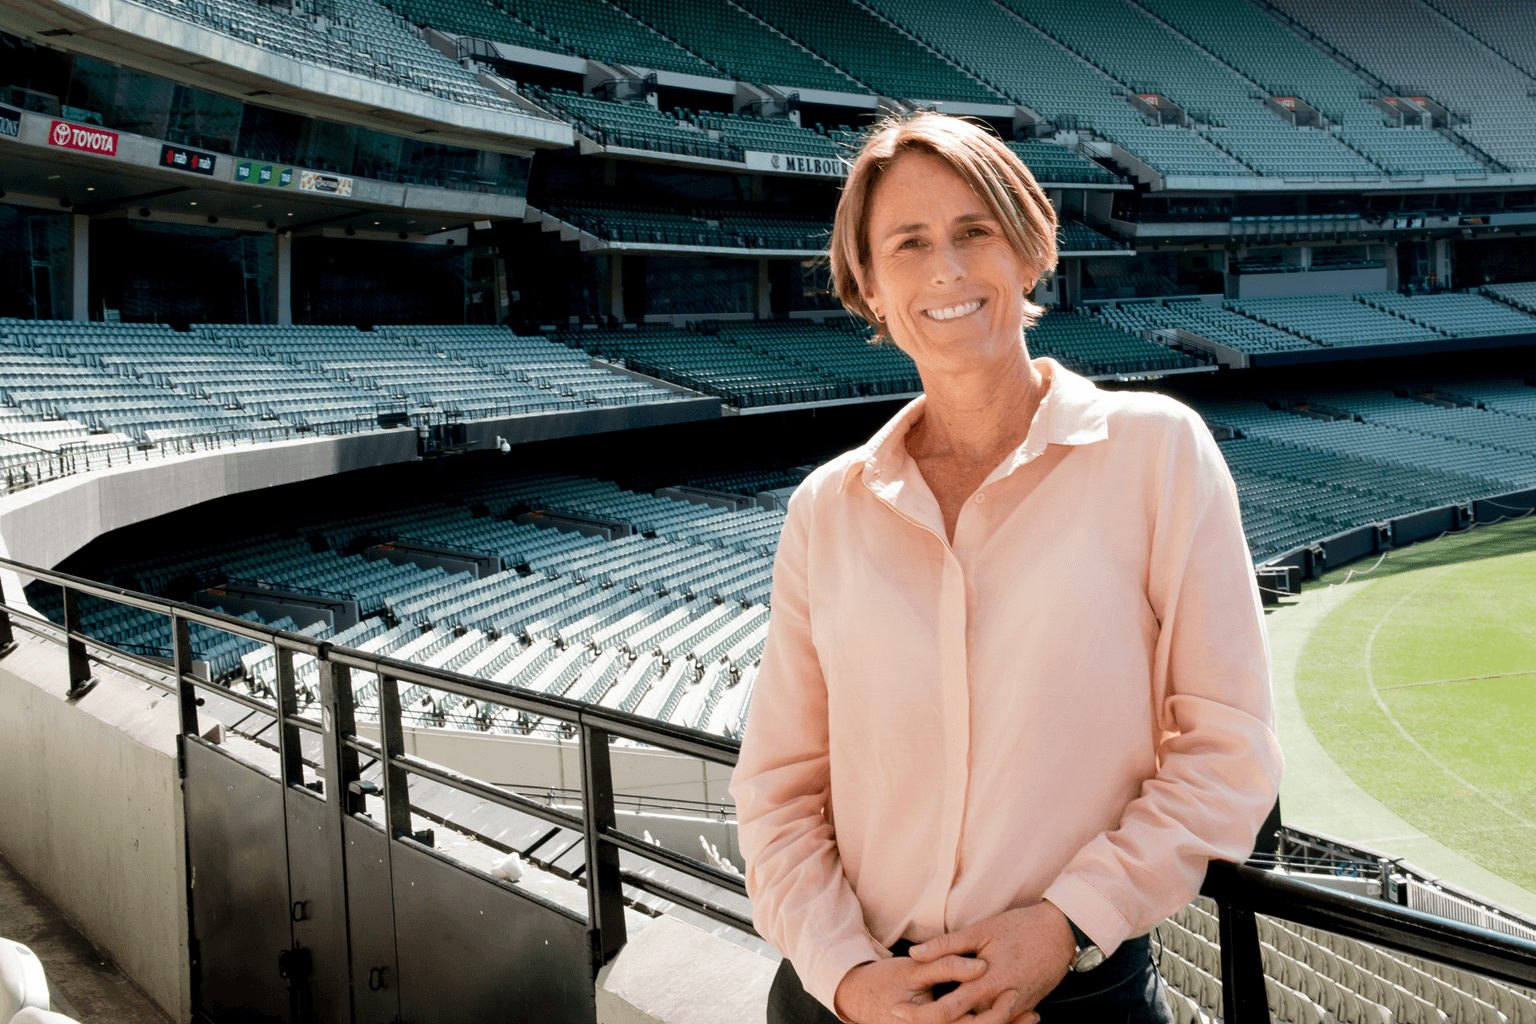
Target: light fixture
{"type": "Point", "coordinates": [194, 202]}
{"type": "Point", "coordinates": [256, 207]}
{"type": "Point", "coordinates": [290, 214]}
{"type": "Point", "coordinates": [53, 177]}
{"type": "Point", "coordinates": [375, 223]}
{"type": "Point", "coordinates": [90, 188]}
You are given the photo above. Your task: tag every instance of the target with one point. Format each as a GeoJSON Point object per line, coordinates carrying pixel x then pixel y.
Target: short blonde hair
{"type": "Point", "coordinates": [994, 173]}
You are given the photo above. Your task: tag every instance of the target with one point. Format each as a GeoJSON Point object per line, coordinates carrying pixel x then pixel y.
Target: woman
{"type": "Point", "coordinates": [1015, 693]}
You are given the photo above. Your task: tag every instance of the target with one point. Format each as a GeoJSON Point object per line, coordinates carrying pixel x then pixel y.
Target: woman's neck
{"type": "Point", "coordinates": [978, 415]}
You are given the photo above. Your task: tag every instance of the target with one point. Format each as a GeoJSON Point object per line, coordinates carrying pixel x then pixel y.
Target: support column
{"type": "Point", "coordinates": [79, 267]}
{"type": "Point", "coordinates": [764, 292]}
{"type": "Point", "coordinates": [282, 277]}
{"type": "Point", "coordinates": [615, 286]}
{"type": "Point", "coordinates": [1440, 262]}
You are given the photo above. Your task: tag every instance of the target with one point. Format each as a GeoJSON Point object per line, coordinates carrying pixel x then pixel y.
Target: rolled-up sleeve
{"type": "Point", "coordinates": [802, 902]}
{"type": "Point", "coordinates": [1218, 759]}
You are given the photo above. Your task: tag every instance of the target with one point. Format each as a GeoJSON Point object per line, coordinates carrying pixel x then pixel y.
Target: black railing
{"type": "Point", "coordinates": [1242, 892]}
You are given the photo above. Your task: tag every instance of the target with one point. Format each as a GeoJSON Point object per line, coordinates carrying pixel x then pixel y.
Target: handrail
{"type": "Point", "coordinates": [1241, 891]}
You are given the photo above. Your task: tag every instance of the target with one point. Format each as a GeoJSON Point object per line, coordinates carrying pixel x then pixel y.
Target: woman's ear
{"type": "Point", "coordinates": [868, 291]}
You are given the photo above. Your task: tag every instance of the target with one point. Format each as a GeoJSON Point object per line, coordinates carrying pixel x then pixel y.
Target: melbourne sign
{"type": "Point", "coordinates": [250, 173]}
{"type": "Point", "coordinates": [794, 163]}
{"type": "Point", "coordinates": [10, 121]}
{"type": "Point", "coordinates": [330, 184]}
{"type": "Point", "coordinates": [186, 159]}
{"type": "Point", "coordinates": [83, 137]}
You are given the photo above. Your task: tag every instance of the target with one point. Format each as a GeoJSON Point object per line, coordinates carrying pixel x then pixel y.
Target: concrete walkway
{"type": "Point", "coordinates": [1316, 793]}
{"type": "Point", "coordinates": [81, 983]}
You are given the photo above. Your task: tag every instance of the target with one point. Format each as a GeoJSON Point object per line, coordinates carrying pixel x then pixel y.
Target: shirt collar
{"type": "Point", "coordinates": [1072, 411]}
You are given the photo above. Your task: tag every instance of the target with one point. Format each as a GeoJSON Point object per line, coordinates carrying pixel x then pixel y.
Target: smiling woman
{"type": "Point", "coordinates": [1015, 643]}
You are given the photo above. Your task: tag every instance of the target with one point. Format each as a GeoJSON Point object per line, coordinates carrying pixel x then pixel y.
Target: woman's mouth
{"type": "Point", "coordinates": [955, 312]}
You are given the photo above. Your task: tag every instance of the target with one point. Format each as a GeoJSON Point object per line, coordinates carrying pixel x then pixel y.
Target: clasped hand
{"type": "Point", "coordinates": [1003, 965]}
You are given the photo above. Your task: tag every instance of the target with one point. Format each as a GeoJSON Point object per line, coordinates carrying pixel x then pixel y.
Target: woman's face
{"type": "Point", "coordinates": [941, 271]}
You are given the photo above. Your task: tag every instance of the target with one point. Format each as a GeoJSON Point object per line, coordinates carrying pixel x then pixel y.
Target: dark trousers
{"type": "Point", "coordinates": [1125, 989]}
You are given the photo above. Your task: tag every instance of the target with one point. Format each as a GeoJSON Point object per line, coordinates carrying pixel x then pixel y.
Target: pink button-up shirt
{"type": "Point", "coordinates": [1071, 701]}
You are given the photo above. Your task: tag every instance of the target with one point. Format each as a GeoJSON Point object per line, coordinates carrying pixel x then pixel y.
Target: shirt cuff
{"type": "Point", "coordinates": [833, 965]}
{"type": "Point", "coordinates": [1090, 911]}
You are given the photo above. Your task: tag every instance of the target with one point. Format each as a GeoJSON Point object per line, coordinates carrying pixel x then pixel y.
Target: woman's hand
{"type": "Point", "coordinates": [886, 991]}
{"type": "Point", "coordinates": [1027, 951]}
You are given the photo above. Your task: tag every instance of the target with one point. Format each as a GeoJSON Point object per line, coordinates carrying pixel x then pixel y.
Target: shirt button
{"type": "Point", "coordinates": [980, 497]}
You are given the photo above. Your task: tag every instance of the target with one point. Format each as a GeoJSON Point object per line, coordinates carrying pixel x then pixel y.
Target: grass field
{"type": "Point", "coordinates": [1422, 687]}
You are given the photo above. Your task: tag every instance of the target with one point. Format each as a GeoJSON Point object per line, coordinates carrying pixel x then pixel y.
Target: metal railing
{"type": "Point", "coordinates": [1242, 892]}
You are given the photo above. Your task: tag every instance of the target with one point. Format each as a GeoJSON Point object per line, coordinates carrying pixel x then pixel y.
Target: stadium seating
{"type": "Point", "coordinates": [1263, 50]}
{"type": "Point", "coordinates": [479, 21]}
{"type": "Point", "coordinates": [1089, 345]}
{"type": "Point", "coordinates": [1314, 976]}
{"type": "Point", "coordinates": [1058, 164]}
{"type": "Point", "coordinates": [634, 125]}
{"type": "Point", "coordinates": [1219, 325]}
{"type": "Point", "coordinates": [1460, 316]}
{"type": "Point", "coordinates": [1410, 48]}
{"type": "Point", "coordinates": [874, 53]}
{"type": "Point", "coordinates": [742, 227]}
{"type": "Point", "coordinates": [599, 30]}
{"type": "Point", "coordinates": [773, 135]}
{"type": "Point", "coordinates": [97, 385]}
{"type": "Point", "coordinates": [356, 36]}
{"type": "Point", "coordinates": [1139, 52]}
{"type": "Point", "coordinates": [1490, 25]}
{"type": "Point", "coordinates": [1334, 320]}
{"type": "Point", "coordinates": [1521, 295]}
{"type": "Point", "coordinates": [739, 44]}
{"type": "Point", "coordinates": [1073, 236]}
{"type": "Point", "coordinates": [1002, 50]}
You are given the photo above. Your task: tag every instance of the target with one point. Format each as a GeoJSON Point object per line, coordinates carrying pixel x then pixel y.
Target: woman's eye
{"type": "Point", "coordinates": [910, 243]}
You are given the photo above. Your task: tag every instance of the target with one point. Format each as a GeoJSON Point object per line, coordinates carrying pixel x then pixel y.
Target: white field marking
{"type": "Point", "coordinates": [1392, 839]}
{"type": "Point", "coordinates": [1370, 680]}
{"type": "Point", "coordinates": [1462, 679]}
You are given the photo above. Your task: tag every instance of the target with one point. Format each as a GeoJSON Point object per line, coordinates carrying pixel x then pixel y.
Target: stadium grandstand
{"type": "Point", "coordinates": [400, 401]}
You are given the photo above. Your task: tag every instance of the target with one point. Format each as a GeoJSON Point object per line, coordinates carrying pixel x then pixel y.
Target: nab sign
{"type": "Point", "coordinates": [186, 159]}
{"type": "Point", "coordinates": [86, 139]}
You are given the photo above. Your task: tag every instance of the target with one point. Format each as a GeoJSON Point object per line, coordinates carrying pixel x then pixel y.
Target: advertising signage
{"type": "Point", "coordinates": [86, 138]}
{"type": "Point", "coordinates": [10, 121]}
{"type": "Point", "coordinates": [184, 159]}
{"type": "Point", "coordinates": [250, 173]}
{"type": "Point", "coordinates": [330, 184]}
{"type": "Point", "coordinates": [794, 163]}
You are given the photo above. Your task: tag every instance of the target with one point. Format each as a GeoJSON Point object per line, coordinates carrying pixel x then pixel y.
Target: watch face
{"type": "Point", "coordinates": [1089, 958]}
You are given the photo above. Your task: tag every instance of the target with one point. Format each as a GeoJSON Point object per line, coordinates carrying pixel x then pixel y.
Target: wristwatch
{"type": "Point", "coordinates": [1087, 956]}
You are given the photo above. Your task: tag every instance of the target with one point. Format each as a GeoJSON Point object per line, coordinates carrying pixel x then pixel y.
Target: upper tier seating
{"type": "Point", "coordinates": [634, 125]}
{"type": "Point", "coordinates": [1417, 53]}
{"type": "Point", "coordinates": [478, 20]}
{"type": "Point", "coordinates": [1270, 54]}
{"type": "Point", "coordinates": [1138, 51]}
{"type": "Point", "coordinates": [357, 36]}
{"type": "Point", "coordinates": [596, 29]}
{"type": "Point", "coordinates": [1459, 315]}
{"type": "Point", "coordinates": [1002, 50]}
{"type": "Point", "coordinates": [1334, 320]}
{"type": "Point", "coordinates": [1491, 24]}
{"type": "Point", "coordinates": [1501, 394]}
{"type": "Point", "coordinates": [739, 44]}
{"type": "Point", "coordinates": [745, 227]}
{"type": "Point", "coordinates": [874, 53]}
{"type": "Point", "coordinates": [1050, 163]}
{"type": "Point", "coordinates": [768, 134]}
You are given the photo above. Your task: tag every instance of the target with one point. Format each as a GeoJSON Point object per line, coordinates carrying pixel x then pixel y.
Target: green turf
{"type": "Point", "coordinates": [1386, 684]}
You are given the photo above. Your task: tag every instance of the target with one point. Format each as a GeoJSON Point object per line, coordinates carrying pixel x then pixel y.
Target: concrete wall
{"type": "Point", "coordinates": [47, 523]}
{"type": "Point", "coordinates": [91, 813]}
